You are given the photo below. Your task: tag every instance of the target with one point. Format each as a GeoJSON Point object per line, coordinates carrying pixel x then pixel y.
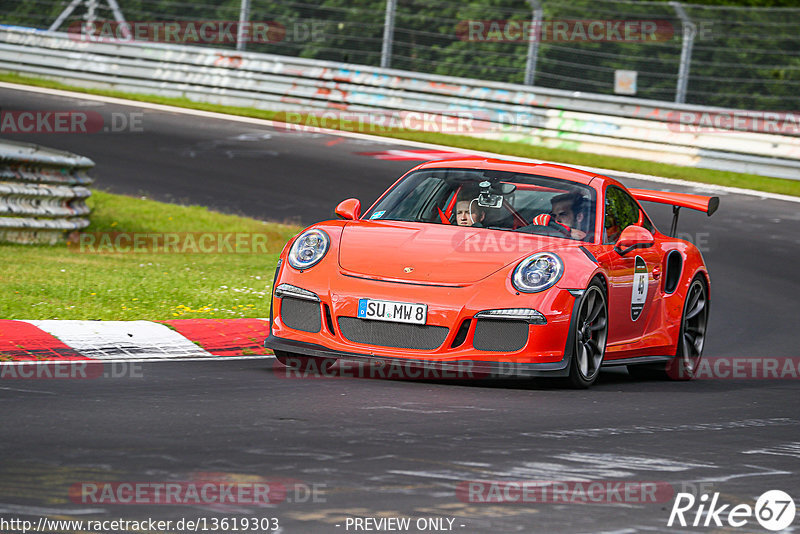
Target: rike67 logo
{"type": "Point", "coordinates": [774, 510]}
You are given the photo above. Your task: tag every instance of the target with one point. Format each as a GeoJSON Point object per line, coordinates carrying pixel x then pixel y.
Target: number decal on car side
{"type": "Point", "coordinates": [639, 293]}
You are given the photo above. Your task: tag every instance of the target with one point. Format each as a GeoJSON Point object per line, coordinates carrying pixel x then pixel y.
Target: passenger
{"type": "Point", "coordinates": [469, 213]}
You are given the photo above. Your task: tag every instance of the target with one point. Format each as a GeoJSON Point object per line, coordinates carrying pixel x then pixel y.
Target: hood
{"type": "Point", "coordinates": [435, 253]}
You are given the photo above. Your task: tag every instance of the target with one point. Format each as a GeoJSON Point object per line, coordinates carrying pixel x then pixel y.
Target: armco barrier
{"type": "Point", "coordinates": [601, 124]}
{"type": "Point", "coordinates": [42, 193]}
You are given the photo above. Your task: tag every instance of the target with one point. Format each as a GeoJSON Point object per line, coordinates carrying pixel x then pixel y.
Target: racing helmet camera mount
{"type": "Point", "coordinates": [487, 198]}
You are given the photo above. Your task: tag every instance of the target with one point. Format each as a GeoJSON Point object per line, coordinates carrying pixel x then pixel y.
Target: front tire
{"type": "Point", "coordinates": [591, 333]}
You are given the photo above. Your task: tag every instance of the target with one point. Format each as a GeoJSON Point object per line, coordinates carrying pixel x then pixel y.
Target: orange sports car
{"type": "Point", "coordinates": [508, 267]}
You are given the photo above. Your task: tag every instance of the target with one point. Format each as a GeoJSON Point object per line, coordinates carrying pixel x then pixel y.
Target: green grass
{"type": "Point", "coordinates": [60, 282]}
{"type": "Point", "coordinates": [747, 181]}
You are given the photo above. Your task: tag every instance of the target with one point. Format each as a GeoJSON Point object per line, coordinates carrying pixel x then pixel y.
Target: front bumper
{"type": "Point", "coordinates": [452, 311]}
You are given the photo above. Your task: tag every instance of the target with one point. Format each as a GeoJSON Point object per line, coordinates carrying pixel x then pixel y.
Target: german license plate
{"type": "Point", "coordinates": [398, 312]}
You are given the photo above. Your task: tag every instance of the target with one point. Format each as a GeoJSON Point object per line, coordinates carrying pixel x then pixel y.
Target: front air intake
{"type": "Point", "coordinates": [303, 315]}
{"type": "Point", "coordinates": [386, 334]}
{"type": "Point", "coordinates": [500, 335]}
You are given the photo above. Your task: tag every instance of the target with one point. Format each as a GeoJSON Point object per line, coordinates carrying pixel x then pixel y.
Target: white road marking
{"type": "Point", "coordinates": [761, 473]}
{"type": "Point", "coordinates": [29, 391]}
{"type": "Point", "coordinates": [109, 340]}
{"type": "Point", "coordinates": [6, 508]}
{"type": "Point", "coordinates": [785, 449]}
{"type": "Point", "coordinates": [634, 463]}
{"type": "Point", "coordinates": [446, 475]}
{"type": "Point", "coordinates": [654, 429]}
{"type": "Point", "coordinates": [402, 409]}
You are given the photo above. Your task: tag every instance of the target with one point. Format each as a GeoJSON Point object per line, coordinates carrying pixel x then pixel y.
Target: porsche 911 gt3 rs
{"type": "Point", "coordinates": [539, 268]}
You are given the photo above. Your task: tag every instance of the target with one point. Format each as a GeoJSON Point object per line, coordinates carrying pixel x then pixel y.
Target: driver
{"type": "Point", "coordinates": [469, 213]}
{"type": "Point", "coordinates": [566, 210]}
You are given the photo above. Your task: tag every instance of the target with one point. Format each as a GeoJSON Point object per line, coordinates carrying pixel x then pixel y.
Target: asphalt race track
{"type": "Point", "coordinates": [400, 448]}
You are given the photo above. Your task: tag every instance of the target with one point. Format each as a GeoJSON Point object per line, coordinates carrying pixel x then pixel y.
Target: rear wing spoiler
{"type": "Point", "coordinates": [707, 205]}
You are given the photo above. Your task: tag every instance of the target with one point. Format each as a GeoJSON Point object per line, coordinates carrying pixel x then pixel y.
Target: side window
{"type": "Point", "coordinates": [411, 206]}
{"type": "Point", "coordinates": [621, 212]}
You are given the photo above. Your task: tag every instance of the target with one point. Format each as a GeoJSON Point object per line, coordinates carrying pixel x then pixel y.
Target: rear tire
{"type": "Point", "coordinates": [591, 334]}
{"type": "Point", "coordinates": [691, 339]}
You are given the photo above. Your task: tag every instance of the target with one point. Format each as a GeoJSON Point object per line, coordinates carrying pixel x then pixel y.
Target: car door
{"type": "Point", "coordinates": [633, 278]}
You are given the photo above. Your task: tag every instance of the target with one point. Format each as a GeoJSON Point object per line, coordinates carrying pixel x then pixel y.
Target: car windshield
{"type": "Point", "coordinates": [498, 200]}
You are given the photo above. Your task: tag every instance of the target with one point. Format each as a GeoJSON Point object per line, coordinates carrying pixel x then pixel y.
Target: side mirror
{"type": "Point", "coordinates": [633, 237]}
{"type": "Point", "coordinates": [349, 209]}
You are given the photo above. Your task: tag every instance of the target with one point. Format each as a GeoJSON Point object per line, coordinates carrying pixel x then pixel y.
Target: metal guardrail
{"type": "Point", "coordinates": [602, 124]}
{"type": "Point", "coordinates": [42, 193]}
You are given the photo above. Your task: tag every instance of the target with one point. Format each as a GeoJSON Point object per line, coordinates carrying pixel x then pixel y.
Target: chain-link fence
{"type": "Point", "coordinates": [725, 56]}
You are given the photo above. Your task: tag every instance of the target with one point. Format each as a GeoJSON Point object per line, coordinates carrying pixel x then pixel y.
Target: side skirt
{"type": "Point", "coordinates": [633, 361]}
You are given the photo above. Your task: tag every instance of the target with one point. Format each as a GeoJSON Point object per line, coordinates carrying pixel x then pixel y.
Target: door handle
{"type": "Point", "coordinates": [657, 272]}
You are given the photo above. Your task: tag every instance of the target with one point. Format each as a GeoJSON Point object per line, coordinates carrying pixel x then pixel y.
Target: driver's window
{"type": "Point", "coordinates": [621, 211]}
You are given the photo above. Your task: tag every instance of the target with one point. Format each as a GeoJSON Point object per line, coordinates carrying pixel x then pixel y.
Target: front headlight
{"type": "Point", "coordinates": [308, 249]}
{"type": "Point", "coordinates": [537, 272]}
